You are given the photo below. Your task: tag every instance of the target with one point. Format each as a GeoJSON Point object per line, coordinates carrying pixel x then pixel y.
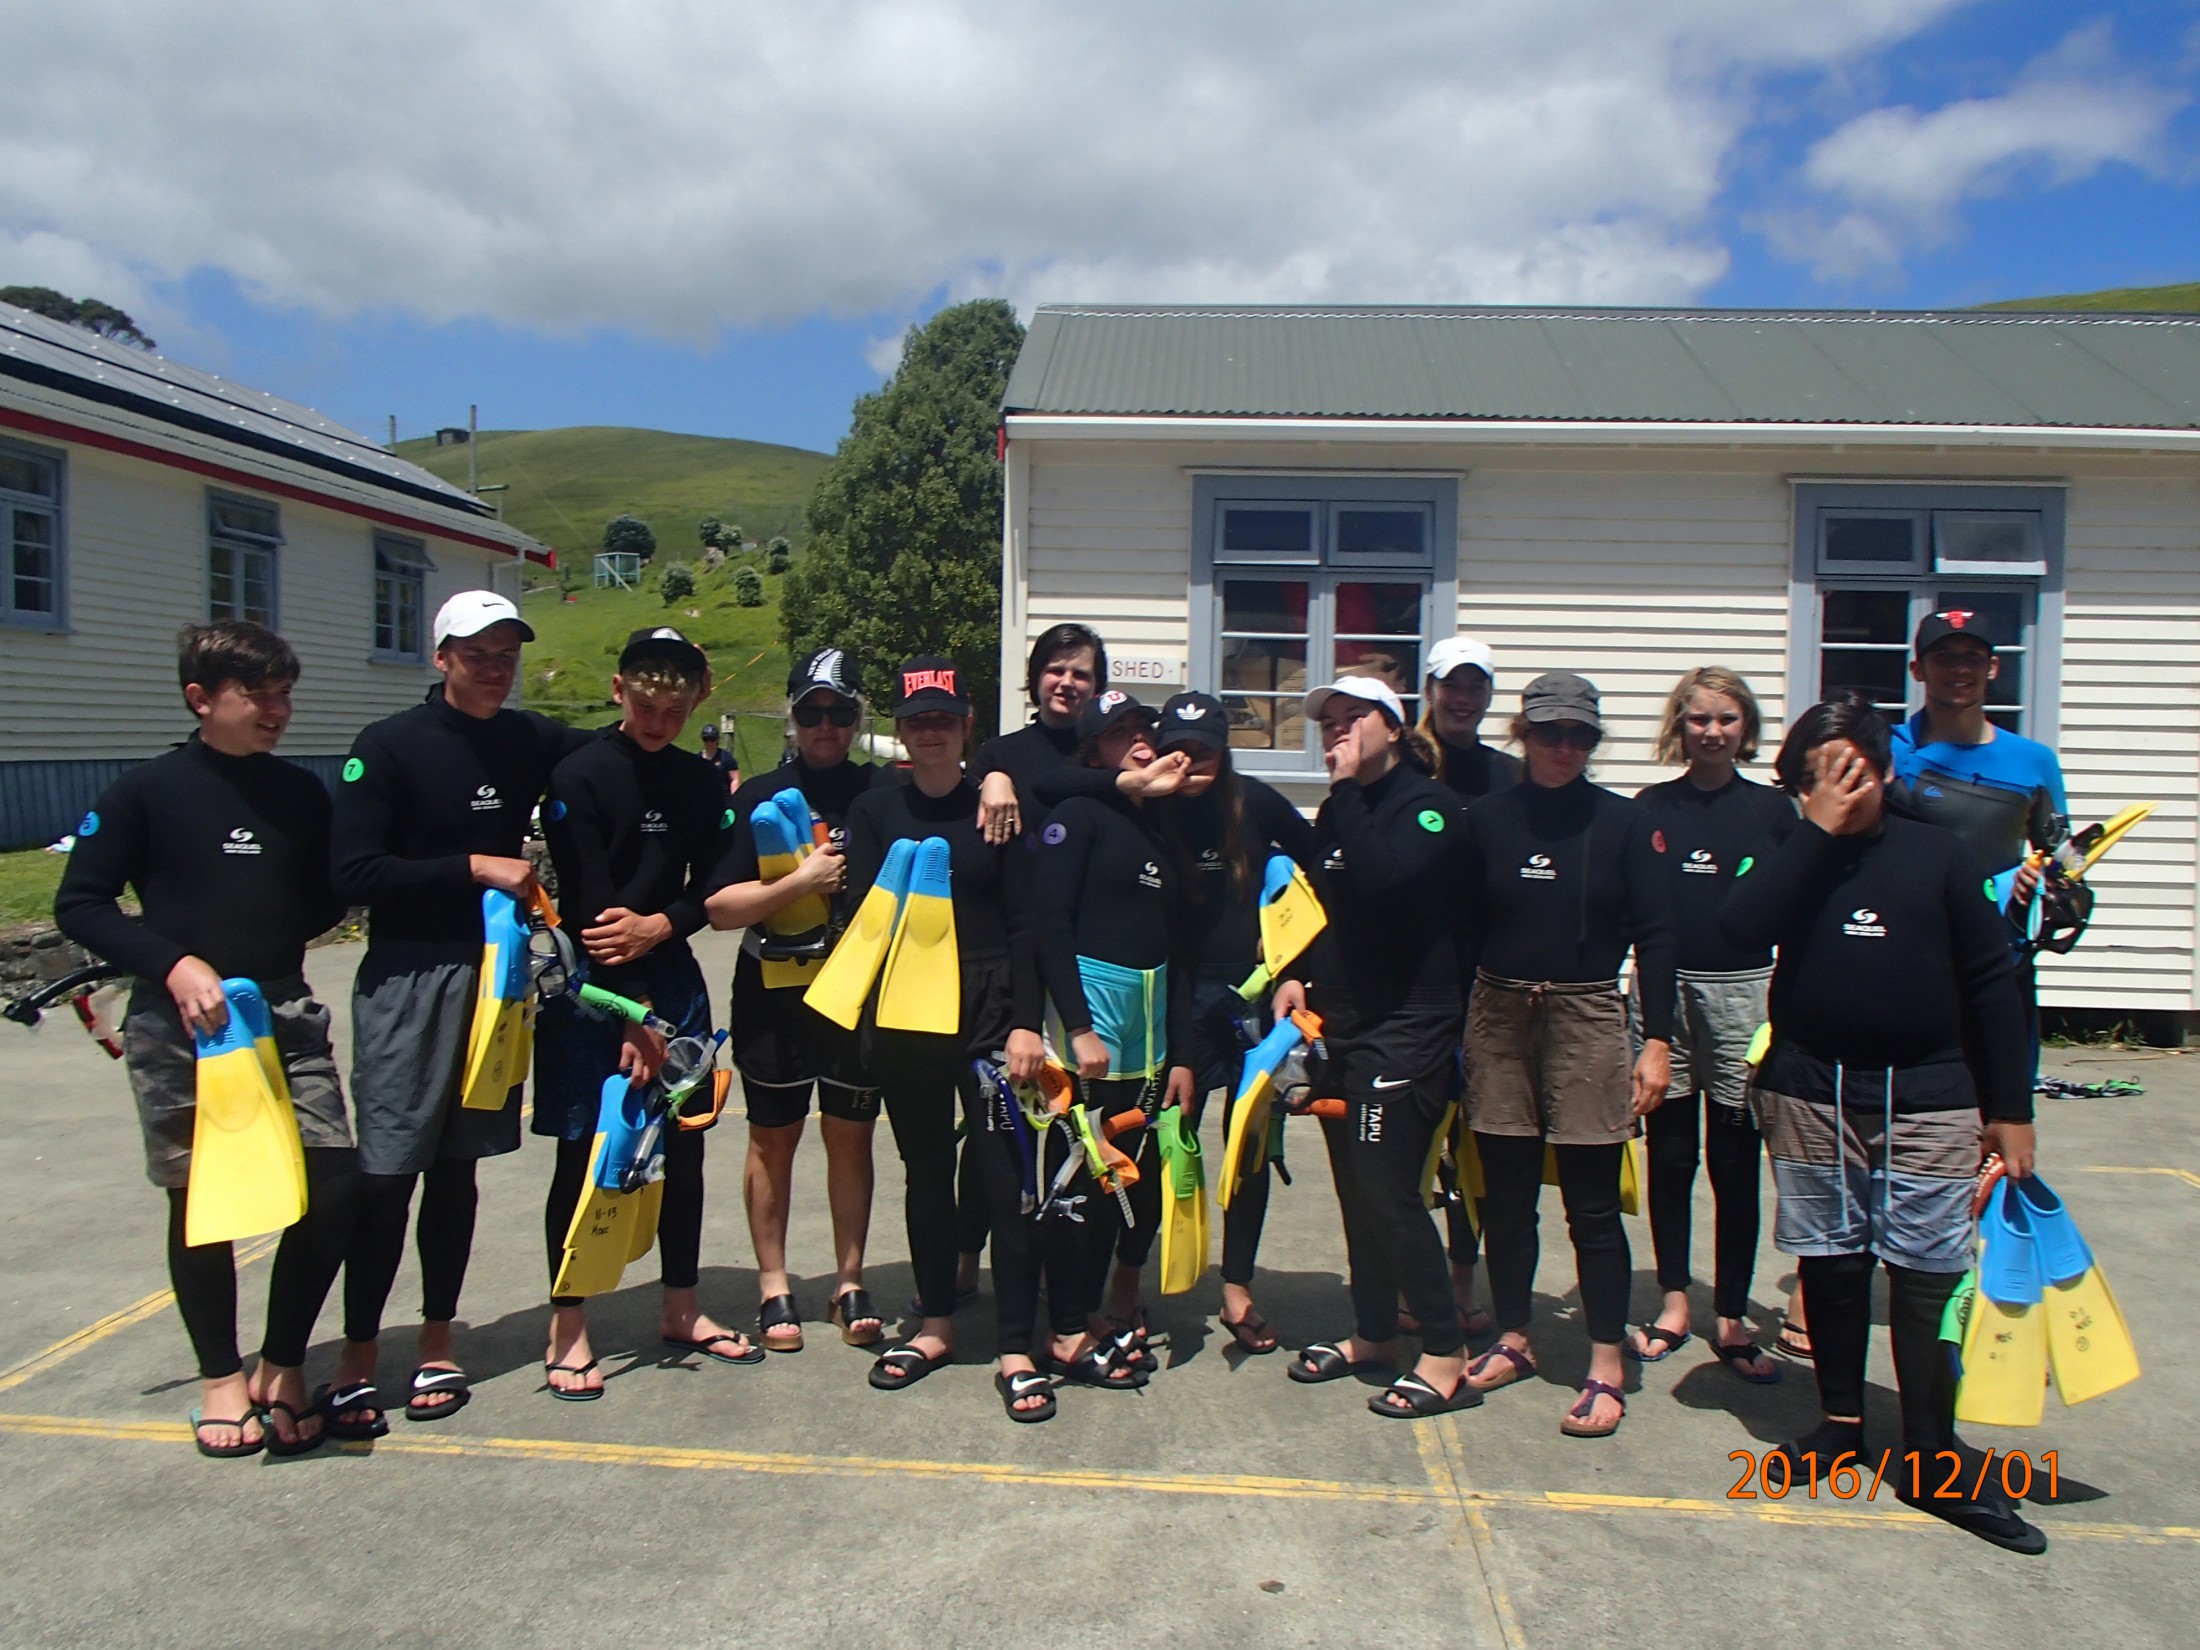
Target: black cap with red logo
{"type": "Point", "coordinates": [930, 684]}
{"type": "Point", "coordinates": [1936, 628]}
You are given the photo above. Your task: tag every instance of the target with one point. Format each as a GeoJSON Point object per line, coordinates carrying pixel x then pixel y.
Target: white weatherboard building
{"type": "Point", "coordinates": [1246, 501]}
{"type": "Point", "coordinates": [138, 496]}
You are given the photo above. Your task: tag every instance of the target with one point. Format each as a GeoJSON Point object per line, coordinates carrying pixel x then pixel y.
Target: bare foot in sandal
{"type": "Point", "coordinates": [1510, 1360]}
{"type": "Point", "coordinates": [570, 1361]}
{"type": "Point", "coordinates": [280, 1394]}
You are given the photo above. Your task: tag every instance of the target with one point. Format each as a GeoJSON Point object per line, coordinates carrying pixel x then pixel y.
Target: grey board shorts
{"type": "Point", "coordinates": [412, 1010]}
{"type": "Point", "coordinates": [1861, 1177]}
{"type": "Point", "coordinates": [162, 1061]}
{"type": "Point", "coordinates": [1715, 1016]}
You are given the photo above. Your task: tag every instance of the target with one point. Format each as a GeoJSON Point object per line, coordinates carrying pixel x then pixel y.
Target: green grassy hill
{"type": "Point", "coordinates": [2155, 300]}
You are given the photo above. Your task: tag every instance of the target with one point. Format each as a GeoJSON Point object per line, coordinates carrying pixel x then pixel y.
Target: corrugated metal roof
{"type": "Point", "coordinates": [81, 363]}
{"type": "Point", "coordinates": [1623, 365]}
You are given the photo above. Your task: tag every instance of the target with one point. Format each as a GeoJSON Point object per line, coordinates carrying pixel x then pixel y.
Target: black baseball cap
{"type": "Point", "coordinates": [665, 643]}
{"type": "Point", "coordinates": [710, 730]}
{"type": "Point", "coordinates": [829, 668]}
{"type": "Point", "coordinates": [1936, 628]}
{"type": "Point", "coordinates": [1192, 719]}
{"type": "Point", "coordinates": [1108, 708]}
{"type": "Point", "coordinates": [930, 683]}
{"type": "Point", "coordinates": [1561, 696]}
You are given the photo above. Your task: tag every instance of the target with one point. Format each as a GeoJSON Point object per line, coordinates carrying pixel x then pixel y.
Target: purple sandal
{"type": "Point", "coordinates": [1522, 1368]}
{"type": "Point", "coordinates": [1576, 1426]}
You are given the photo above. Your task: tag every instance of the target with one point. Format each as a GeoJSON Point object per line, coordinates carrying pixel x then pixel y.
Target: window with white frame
{"type": "Point", "coordinates": [1301, 579]}
{"type": "Point", "coordinates": [1872, 561]}
{"type": "Point", "coordinates": [243, 536]}
{"type": "Point", "coordinates": [30, 538]}
{"type": "Point", "coordinates": [401, 569]}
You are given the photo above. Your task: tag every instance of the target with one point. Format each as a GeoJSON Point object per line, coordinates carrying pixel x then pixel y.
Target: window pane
{"type": "Point", "coordinates": [385, 613]}
{"type": "Point", "coordinates": [1881, 676]}
{"type": "Point", "coordinates": [1867, 616]}
{"type": "Point", "coordinates": [1889, 541]}
{"type": "Point", "coordinates": [245, 518]}
{"type": "Point", "coordinates": [1392, 535]}
{"type": "Point", "coordinates": [1378, 609]}
{"type": "Point", "coordinates": [1281, 533]}
{"type": "Point", "coordinates": [221, 583]}
{"type": "Point", "coordinates": [2011, 541]}
{"type": "Point", "coordinates": [22, 474]}
{"type": "Point", "coordinates": [411, 598]}
{"type": "Point", "coordinates": [33, 583]}
{"type": "Point", "coordinates": [1264, 606]}
{"type": "Point", "coordinates": [259, 587]}
{"type": "Point", "coordinates": [1260, 722]}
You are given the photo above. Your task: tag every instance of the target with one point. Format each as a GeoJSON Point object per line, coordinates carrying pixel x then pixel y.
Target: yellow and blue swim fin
{"type": "Point", "coordinates": [784, 831]}
{"type": "Point", "coordinates": [2004, 1380]}
{"type": "Point", "coordinates": [2088, 1346]}
{"type": "Point", "coordinates": [1184, 1231]}
{"type": "Point", "coordinates": [1290, 914]}
{"type": "Point", "coordinates": [248, 1167]}
{"type": "Point", "coordinates": [502, 1039]}
{"type": "Point", "coordinates": [610, 1227]}
{"type": "Point", "coordinates": [920, 988]}
{"type": "Point", "coordinates": [1245, 1142]}
{"type": "Point", "coordinates": [843, 985]}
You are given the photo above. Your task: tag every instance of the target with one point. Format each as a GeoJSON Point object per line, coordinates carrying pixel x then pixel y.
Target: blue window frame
{"type": "Point", "coordinates": [243, 537]}
{"type": "Point", "coordinates": [401, 569]}
{"type": "Point", "coordinates": [33, 591]}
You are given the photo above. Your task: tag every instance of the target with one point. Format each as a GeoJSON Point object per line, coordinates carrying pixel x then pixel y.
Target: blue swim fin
{"type": "Point", "coordinates": [2064, 1254]}
{"type": "Point", "coordinates": [2009, 1264]}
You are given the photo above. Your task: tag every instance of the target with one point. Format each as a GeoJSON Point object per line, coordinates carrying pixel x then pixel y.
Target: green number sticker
{"type": "Point", "coordinates": [1431, 820]}
{"type": "Point", "coordinates": [1742, 870]}
{"type": "Point", "coordinates": [353, 769]}
{"type": "Point", "coordinates": [725, 820]}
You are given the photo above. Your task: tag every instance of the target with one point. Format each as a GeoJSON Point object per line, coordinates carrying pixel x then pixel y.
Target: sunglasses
{"type": "Point", "coordinates": [841, 713]}
{"type": "Point", "coordinates": [1551, 735]}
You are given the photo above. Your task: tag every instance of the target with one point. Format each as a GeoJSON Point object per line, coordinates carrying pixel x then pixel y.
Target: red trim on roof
{"type": "Point", "coordinates": [55, 430]}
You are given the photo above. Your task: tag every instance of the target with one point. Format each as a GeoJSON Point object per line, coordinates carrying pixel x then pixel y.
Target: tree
{"type": "Point", "coordinates": [904, 550]}
{"type": "Point", "coordinates": [731, 538]}
{"type": "Point", "coordinates": [92, 314]}
{"type": "Point", "coordinates": [778, 555]}
{"type": "Point", "coordinates": [748, 587]}
{"type": "Point", "coordinates": [707, 531]}
{"type": "Point", "coordinates": [629, 535]}
{"type": "Point", "coordinates": [676, 582]}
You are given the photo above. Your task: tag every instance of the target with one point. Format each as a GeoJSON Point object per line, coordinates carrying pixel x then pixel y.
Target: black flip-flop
{"type": "Point", "coordinates": [1325, 1361]}
{"type": "Point", "coordinates": [1746, 1352]}
{"type": "Point", "coordinates": [1252, 1332]}
{"type": "Point", "coordinates": [1409, 1398]}
{"type": "Point", "coordinates": [1014, 1388]}
{"type": "Point", "coordinates": [1097, 1366]}
{"type": "Point", "coordinates": [570, 1395]}
{"type": "Point", "coordinates": [706, 1348]}
{"type": "Point", "coordinates": [426, 1382]}
{"type": "Point", "coordinates": [276, 1444]}
{"type": "Point", "coordinates": [905, 1366]}
{"type": "Point", "coordinates": [1674, 1340]}
{"type": "Point", "coordinates": [1793, 1341]}
{"type": "Point", "coordinates": [228, 1452]}
{"type": "Point", "coordinates": [332, 1400]}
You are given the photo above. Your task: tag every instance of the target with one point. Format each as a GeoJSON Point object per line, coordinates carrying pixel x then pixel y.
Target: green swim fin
{"type": "Point", "coordinates": [843, 985]}
{"type": "Point", "coordinates": [1184, 1233]}
{"type": "Point", "coordinates": [501, 1041]}
{"type": "Point", "coordinates": [920, 988]}
{"type": "Point", "coordinates": [248, 1168]}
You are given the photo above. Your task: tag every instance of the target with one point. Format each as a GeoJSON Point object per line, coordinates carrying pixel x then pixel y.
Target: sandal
{"type": "Point", "coordinates": [299, 1443]}
{"type": "Point", "coordinates": [1575, 1425]}
{"type": "Point", "coordinates": [570, 1394]}
{"type": "Point", "coordinates": [1132, 1349]}
{"type": "Point", "coordinates": [1478, 1324]}
{"type": "Point", "coordinates": [1743, 1353]}
{"type": "Point", "coordinates": [228, 1452]}
{"type": "Point", "coordinates": [1097, 1366]}
{"type": "Point", "coordinates": [905, 1366]}
{"type": "Point", "coordinates": [851, 1307]}
{"type": "Point", "coordinates": [707, 1347]}
{"type": "Point", "coordinates": [1023, 1384]}
{"type": "Point", "coordinates": [1325, 1361]}
{"type": "Point", "coordinates": [1518, 1367]}
{"type": "Point", "coordinates": [1409, 1398]}
{"type": "Point", "coordinates": [1251, 1332]}
{"type": "Point", "coordinates": [1793, 1341]}
{"type": "Point", "coordinates": [331, 1401]}
{"type": "Point", "coordinates": [780, 1312]}
{"type": "Point", "coordinates": [427, 1383]}
{"type": "Point", "coordinates": [1672, 1341]}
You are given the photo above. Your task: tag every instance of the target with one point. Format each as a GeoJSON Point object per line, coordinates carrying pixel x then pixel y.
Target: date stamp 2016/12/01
{"type": "Point", "coordinates": [1912, 1474]}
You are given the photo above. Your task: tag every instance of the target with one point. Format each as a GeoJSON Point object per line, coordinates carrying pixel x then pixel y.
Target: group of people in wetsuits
{"type": "Point", "coordinates": [1482, 911]}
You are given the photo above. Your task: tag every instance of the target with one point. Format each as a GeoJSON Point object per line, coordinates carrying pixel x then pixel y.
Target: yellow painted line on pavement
{"type": "Point", "coordinates": [1444, 1459]}
{"type": "Point", "coordinates": [2186, 1175]}
{"type": "Point", "coordinates": [114, 1323]}
{"type": "Point", "coordinates": [573, 1453]}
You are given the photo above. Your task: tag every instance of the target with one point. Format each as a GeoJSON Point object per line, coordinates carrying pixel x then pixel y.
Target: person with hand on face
{"type": "Point", "coordinates": [1383, 975]}
{"type": "Point", "coordinates": [1462, 673]}
{"type": "Point", "coordinates": [432, 809]}
{"type": "Point", "coordinates": [227, 849]}
{"type": "Point", "coordinates": [1566, 876]}
{"type": "Point", "coordinates": [636, 826]}
{"type": "Point", "coordinates": [1898, 1058]}
{"type": "Point", "coordinates": [781, 1047]}
{"type": "Point", "coordinates": [1717, 826]}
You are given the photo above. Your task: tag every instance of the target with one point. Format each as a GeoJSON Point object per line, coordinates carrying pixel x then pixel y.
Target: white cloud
{"type": "Point", "coordinates": [1899, 175]}
{"type": "Point", "coordinates": [682, 165]}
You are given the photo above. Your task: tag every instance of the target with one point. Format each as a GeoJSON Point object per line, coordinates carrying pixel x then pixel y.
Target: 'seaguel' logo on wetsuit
{"type": "Point", "coordinates": [1538, 869]}
{"type": "Point", "coordinates": [1700, 863]}
{"type": "Point", "coordinates": [653, 821]}
{"type": "Point", "coordinates": [240, 842]}
{"type": "Point", "coordinates": [1864, 924]}
{"type": "Point", "coordinates": [1150, 875]}
{"type": "Point", "coordinates": [486, 799]}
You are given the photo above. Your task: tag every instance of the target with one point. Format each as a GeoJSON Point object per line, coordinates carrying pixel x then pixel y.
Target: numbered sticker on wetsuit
{"type": "Point", "coordinates": [353, 769]}
{"type": "Point", "coordinates": [1431, 820]}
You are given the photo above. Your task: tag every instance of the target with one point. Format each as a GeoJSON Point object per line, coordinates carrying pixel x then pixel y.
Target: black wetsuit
{"type": "Point", "coordinates": [229, 858]}
{"type": "Point", "coordinates": [1711, 838]}
{"type": "Point", "coordinates": [1384, 978]}
{"type": "Point", "coordinates": [1024, 755]}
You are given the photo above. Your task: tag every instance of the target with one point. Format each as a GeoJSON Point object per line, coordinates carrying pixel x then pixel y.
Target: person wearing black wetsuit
{"type": "Point", "coordinates": [1462, 673]}
{"type": "Point", "coordinates": [432, 808]}
{"type": "Point", "coordinates": [227, 850]}
{"type": "Point", "coordinates": [1105, 927]}
{"type": "Point", "coordinates": [636, 826]}
{"type": "Point", "coordinates": [1898, 1055]}
{"type": "Point", "coordinates": [782, 1048]}
{"type": "Point", "coordinates": [1383, 976]}
{"type": "Point", "coordinates": [1567, 875]}
{"type": "Point", "coordinates": [1715, 826]}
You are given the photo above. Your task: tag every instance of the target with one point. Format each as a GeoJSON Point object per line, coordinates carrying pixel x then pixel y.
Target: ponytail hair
{"type": "Point", "coordinates": [1418, 748]}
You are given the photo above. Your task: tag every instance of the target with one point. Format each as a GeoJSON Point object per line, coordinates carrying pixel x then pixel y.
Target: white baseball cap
{"type": "Point", "coordinates": [1373, 689]}
{"type": "Point", "coordinates": [1453, 651]}
{"type": "Point", "coordinates": [470, 612]}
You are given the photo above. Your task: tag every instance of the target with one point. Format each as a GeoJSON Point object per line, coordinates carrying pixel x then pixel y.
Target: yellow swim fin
{"type": "Point", "coordinates": [610, 1227]}
{"type": "Point", "coordinates": [1245, 1142]}
{"type": "Point", "coordinates": [1184, 1233]}
{"type": "Point", "coordinates": [2087, 1343]}
{"type": "Point", "coordinates": [785, 831]}
{"type": "Point", "coordinates": [2004, 1365]}
{"type": "Point", "coordinates": [920, 988]}
{"type": "Point", "coordinates": [248, 1169]}
{"type": "Point", "coordinates": [1290, 914]}
{"type": "Point", "coordinates": [1436, 1144]}
{"type": "Point", "coordinates": [501, 1041]}
{"type": "Point", "coordinates": [843, 985]}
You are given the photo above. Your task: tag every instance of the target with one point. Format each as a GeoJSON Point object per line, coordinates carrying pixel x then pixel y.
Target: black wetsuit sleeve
{"type": "Point", "coordinates": [1051, 787]}
{"type": "Point", "coordinates": [580, 849]}
{"type": "Point", "coordinates": [1275, 820]}
{"type": "Point", "coordinates": [1028, 1004]}
{"type": "Point", "coordinates": [1385, 863]}
{"type": "Point", "coordinates": [100, 867]}
{"type": "Point", "coordinates": [1763, 906]}
{"type": "Point", "coordinates": [363, 863]}
{"type": "Point", "coordinates": [866, 846]}
{"type": "Point", "coordinates": [1650, 925]}
{"type": "Point", "coordinates": [557, 739]}
{"type": "Point", "coordinates": [686, 909]}
{"type": "Point", "coordinates": [1997, 1044]}
{"type": "Point", "coordinates": [1060, 874]}
{"type": "Point", "coordinates": [1473, 907]}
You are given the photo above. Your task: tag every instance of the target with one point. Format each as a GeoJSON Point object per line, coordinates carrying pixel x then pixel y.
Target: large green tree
{"type": "Point", "coordinates": [904, 549]}
{"type": "Point", "coordinates": [92, 314]}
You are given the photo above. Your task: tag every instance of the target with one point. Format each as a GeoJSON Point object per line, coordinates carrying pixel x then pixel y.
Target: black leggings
{"type": "Point", "coordinates": [920, 1092]}
{"type": "Point", "coordinates": [444, 1236]}
{"type": "Point", "coordinates": [1837, 1295]}
{"type": "Point", "coordinates": [1588, 1182]}
{"type": "Point", "coordinates": [973, 1215]}
{"type": "Point", "coordinates": [1731, 1146]}
{"type": "Point", "coordinates": [204, 1277]}
{"type": "Point", "coordinates": [1377, 1154]}
{"type": "Point", "coordinates": [679, 1211]}
{"type": "Point", "coordinates": [1025, 1247]}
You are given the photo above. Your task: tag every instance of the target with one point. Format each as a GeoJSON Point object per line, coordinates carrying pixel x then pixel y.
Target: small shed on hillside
{"type": "Point", "coordinates": [1246, 500]}
{"type": "Point", "coordinates": [138, 495]}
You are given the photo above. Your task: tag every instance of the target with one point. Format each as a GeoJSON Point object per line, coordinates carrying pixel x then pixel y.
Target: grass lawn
{"type": "Point", "coordinates": [27, 882]}
{"type": "Point", "coordinates": [2156, 300]}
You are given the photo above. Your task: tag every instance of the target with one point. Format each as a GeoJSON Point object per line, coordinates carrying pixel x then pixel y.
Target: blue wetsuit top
{"type": "Point", "coordinates": [1957, 786]}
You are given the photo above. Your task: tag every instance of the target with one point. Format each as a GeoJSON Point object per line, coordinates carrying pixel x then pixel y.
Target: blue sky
{"type": "Point", "coordinates": [720, 221]}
